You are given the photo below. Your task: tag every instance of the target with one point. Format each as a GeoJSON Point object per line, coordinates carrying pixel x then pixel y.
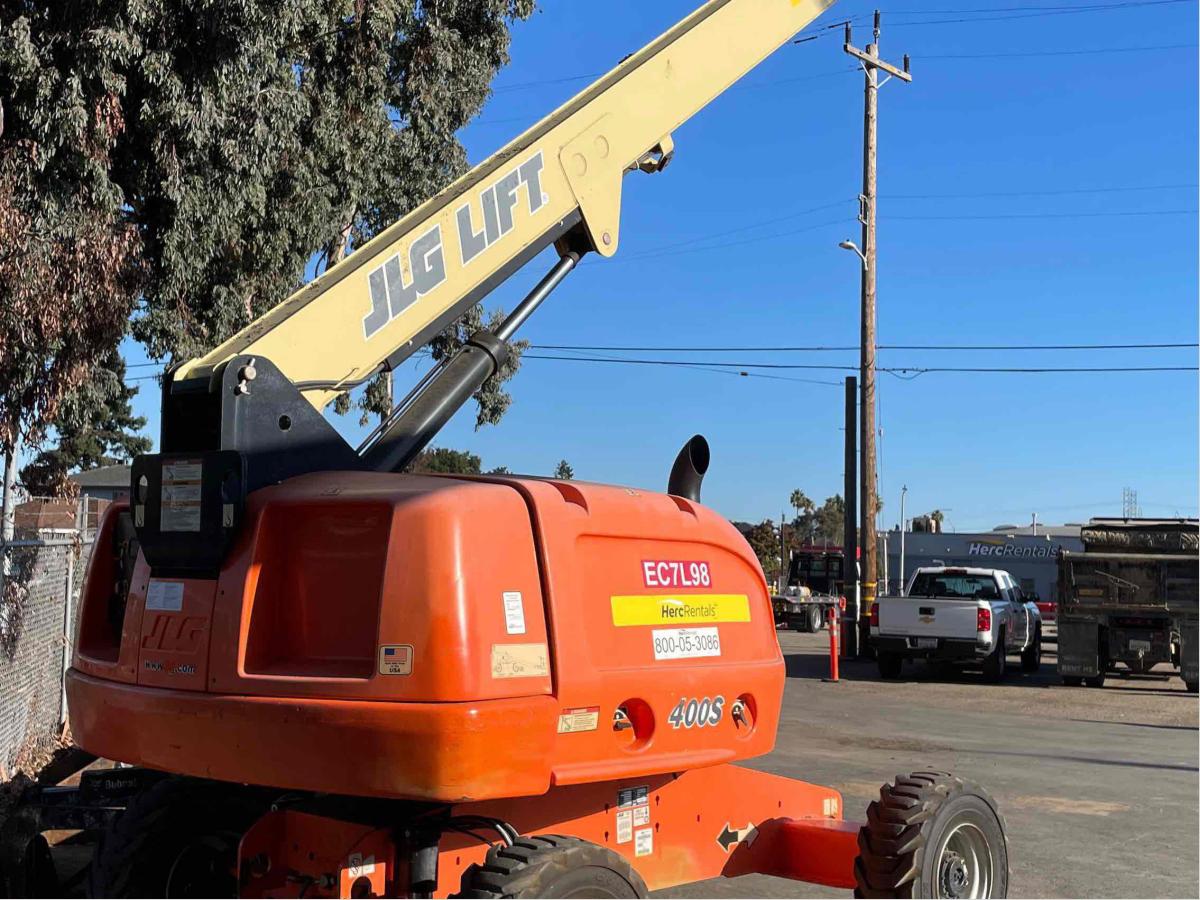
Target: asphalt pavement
{"type": "Point", "coordinates": [1098, 787]}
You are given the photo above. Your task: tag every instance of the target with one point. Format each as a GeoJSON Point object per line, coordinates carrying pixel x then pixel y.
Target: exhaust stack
{"type": "Point", "coordinates": [688, 472]}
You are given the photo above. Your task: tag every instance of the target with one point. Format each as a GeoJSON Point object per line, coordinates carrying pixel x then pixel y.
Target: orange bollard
{"type": "Point", "coordinates": [833, 644]}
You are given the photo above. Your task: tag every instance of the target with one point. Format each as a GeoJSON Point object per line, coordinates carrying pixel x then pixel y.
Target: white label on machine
{"type": "Point", "coordinates": [520, 660]}
{"type": "Point", "coordinates": [582, 718]}
{"type": "Point", "coordinates": [643, 842]}
{"type": "Point", "coordinates": [164, 596]}
{"type": "Point", "coordinates": [686, 643]}
{"type": "Point", "coordinates": [179, 509]}
{"type": "Point", "coordinates": [359, 865]}
{"type": "Point", "coordinates": [395, 659]}
{"type": "Point", "coordinates": [514, 612]}
{"type": "Point", "coordinates": [641, 815]}
{"type": "Point", "coordinates": [625, 826]}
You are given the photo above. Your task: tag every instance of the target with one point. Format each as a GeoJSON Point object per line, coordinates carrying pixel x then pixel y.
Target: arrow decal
{"type": "Point", "coordinates": [730, 836]}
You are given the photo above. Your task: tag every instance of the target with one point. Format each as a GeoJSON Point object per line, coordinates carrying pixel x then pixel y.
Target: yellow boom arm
{"type": "Point", "coordinates": [393, 294]}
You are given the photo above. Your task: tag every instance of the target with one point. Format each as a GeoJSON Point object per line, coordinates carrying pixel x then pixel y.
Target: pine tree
{"type": "Point", "coordinates": [95, 426]}
{"type": "Point", "coordinates": [446, 460]}
{"type": "Point", "coordinates": [563, 471]}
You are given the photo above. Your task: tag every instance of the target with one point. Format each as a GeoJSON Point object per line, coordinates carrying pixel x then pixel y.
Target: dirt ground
{"type": "Point", "coordinates": [1098, 787]}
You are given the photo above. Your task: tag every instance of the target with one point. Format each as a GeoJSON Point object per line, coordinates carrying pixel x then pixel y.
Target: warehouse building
{"type": "Point", "coordinates": [1030, 556]}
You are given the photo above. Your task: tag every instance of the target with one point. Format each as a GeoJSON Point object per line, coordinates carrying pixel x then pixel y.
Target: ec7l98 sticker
{"type": "Point", "coordinates": [676, 573]}
{"type": "Point", "coordinates": [693, 713]}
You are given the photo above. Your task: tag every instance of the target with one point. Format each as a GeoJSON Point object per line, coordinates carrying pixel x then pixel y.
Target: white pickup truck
{"type": "Point", "coordinates": [957, 615]}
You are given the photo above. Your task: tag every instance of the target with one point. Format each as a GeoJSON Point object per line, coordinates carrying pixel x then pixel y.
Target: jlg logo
{"type": "Point", "coordinates": [175, 634]}
{"type": "Point", "coordinates": [406, 276]}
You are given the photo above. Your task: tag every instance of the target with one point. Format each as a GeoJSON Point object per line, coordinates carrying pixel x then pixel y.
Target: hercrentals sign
{"type": "Point", "coordinates": [1013, 551]}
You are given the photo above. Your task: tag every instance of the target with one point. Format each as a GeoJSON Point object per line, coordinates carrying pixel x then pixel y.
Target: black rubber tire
{"type": "Point", "coordinates": [1094, 681]}
{"type": "Point", "coordinates": [551, 865]}
{"type": "Point", "coordinates": [26, 864]}
{"type": "Point", "coordinates": [1192, 686]}
{"type": "Point", "coordinates": [889, 665]}
{"type": "Point", "coordinates": [176, 821]}
{"type": "Point", "coordinates": [1031, 657]}
{"type": "Point", "coordinates": [916, 813]}
{"type": "Point", "coordinates": [1072, 680]}
{"type": "Point", "coordinates": [996, 663]}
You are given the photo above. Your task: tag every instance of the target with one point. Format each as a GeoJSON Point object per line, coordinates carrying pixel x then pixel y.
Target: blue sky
{"type": "Point", "coordinates": [1031, 191]}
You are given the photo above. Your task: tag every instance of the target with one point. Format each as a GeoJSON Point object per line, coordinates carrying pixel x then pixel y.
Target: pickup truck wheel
{"type": "Point", "coordinates": [932, 835]}
{"type": "Point", "coordinates": [1031, 657]}
{"type": "Point", "coordinates": [996, 662]}
{"type": "Point", "coordinates": [889, 664]}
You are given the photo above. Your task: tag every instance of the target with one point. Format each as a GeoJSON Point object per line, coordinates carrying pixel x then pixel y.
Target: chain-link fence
{"type": "Point", "coordinates": [39, 589]}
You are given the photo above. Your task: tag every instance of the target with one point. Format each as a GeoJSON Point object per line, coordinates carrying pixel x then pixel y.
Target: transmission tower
{"type": "Point", "coordinates": [1129, 504]}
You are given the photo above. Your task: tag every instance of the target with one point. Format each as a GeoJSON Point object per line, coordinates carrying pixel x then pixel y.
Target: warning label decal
{"type": "Point", "coordinates": [519, 660]}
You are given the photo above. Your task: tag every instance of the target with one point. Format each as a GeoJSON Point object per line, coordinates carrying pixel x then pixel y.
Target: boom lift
{"type": "Point", "coordinates": [367, 683]}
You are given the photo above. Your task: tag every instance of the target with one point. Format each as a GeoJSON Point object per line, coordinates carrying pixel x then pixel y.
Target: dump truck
{"type": "Point", "coordinates": [1129, 600]}
{"type": "Point", "coordinates": [328, 677]}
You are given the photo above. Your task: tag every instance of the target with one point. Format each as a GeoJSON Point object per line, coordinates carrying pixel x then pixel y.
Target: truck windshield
{"type": "Point", "coordinates": [935, 584]}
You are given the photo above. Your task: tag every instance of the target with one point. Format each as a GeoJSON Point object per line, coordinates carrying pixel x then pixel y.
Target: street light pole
{"type": "Point", "coordinates": [903, 491]}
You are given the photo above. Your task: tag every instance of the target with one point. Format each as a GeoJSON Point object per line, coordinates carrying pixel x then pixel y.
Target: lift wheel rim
{"type": "Point", "coordinates": [964, 863]}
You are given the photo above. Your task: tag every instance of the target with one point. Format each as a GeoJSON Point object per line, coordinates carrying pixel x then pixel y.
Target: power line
{"type": "Point", "coordinates": [1022, 12]}
{"type": "Point", "coordinates": [847, 347]}
{"type": "Point", "coordinates": [1042, 12]}
{"type": "Point", "coordinates": [655, 251]}
{"type": "Point", "coordinates": [1031, 53]}
{"type": "Point", "coordinates": [742, 86]}
{"type": "Point", "coordinates": [742, 369]}
{"type": "Point", "coordinates": [1043, 193]}
{"type": "Point", "coordinates": [898, 370]}
{"type": "Point", "coordinates": [1071, 215]}
{"type": "Point", "coordinates": [652, 253]}
{"type": "Point", "coordinates": [670, 249]}
{"type": "Point", "coordinates": [921, 57]}
{"type": "Point", "coordinates": [1076, 7]}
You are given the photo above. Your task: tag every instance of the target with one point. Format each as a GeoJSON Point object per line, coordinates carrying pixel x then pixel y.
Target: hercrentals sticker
{"type": "Point", "coordinates": [685, 609]}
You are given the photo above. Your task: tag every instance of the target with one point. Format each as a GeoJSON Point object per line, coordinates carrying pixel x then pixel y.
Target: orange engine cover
{"type": "Point", "coordinates": [437, 638]}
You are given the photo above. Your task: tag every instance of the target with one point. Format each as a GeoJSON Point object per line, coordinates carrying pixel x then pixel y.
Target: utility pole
{"type": "Point", "coordinates": [903, 493]}
{"type": "Point", "coordinates": [783, 554]}
{"type": "Point", "coordinates": [871, 65]}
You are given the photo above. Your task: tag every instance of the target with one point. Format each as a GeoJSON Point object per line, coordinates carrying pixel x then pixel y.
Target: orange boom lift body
{"type": "Point", "coordinates": [587, 644]}
{"type": "Point", "coordinates": [361, 682]}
